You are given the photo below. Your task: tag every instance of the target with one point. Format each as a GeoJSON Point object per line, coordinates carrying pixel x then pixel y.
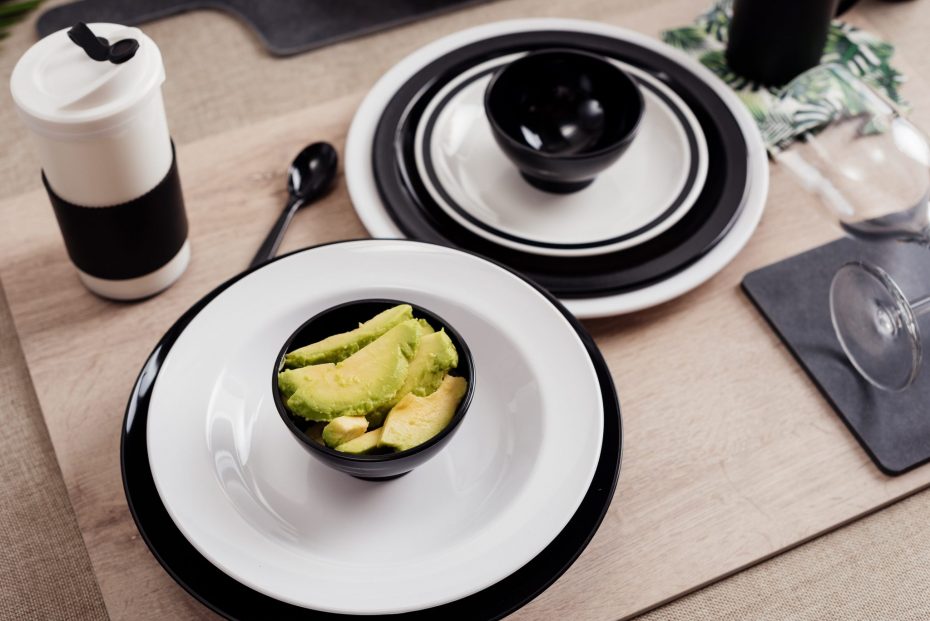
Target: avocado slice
{"type": "Point", "coordinates": [414, 420]}
{"type": "Point", "coordinates": [365, 443]}
{"type": "Point", "coordinates": [290, 380]}
{"type": "Point", "coordinates": [362, 383]}
{"type": "Point", "coordinates": [342, 429]}
{"type": "Point", "coordinates": [435, 356]}
{"type": "Point", "coordinates": [340, 346]}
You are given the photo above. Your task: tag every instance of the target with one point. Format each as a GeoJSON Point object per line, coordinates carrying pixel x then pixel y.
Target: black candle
{"type": "Point", "coordinates": [772, 41]}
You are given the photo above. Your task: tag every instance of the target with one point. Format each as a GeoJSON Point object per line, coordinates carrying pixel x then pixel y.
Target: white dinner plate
{"type": "Point", "coordinates": [650, 188]}
{"type": "Point", "coordinates": [363, 188]}
{"type": "Point", "coordinates": [250, 500]}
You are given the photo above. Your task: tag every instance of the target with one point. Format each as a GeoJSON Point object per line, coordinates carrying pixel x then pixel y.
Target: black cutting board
{"type": "Point", "coordinates": [793, 295]}
{"type": "Point", "coordinates": [284, 26]}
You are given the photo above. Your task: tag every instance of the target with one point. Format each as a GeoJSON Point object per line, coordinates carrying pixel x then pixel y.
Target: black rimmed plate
{"type": "Point", "coordinates": [611, 284]}
{"type": "Point", "coordinates": [655, 183]}
{"type": "Point", "coordinates": [215, 588]}
{"type": "Point", "coordinates": [416, 214]}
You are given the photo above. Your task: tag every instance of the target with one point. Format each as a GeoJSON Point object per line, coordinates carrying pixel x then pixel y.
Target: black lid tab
{"type": "Point", "coordinates": [99, 49]}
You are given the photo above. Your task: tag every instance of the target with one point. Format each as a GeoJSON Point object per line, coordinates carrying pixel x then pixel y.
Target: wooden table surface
{"type": "Point", "coordinates": [730, 453]}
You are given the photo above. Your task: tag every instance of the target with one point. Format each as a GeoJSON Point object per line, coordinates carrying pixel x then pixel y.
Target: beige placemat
{"type": "Point", "coordinates": [45, 572]}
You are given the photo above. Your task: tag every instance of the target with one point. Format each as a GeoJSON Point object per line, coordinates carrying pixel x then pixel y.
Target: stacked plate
{"type": "Point", "coordinates": [421, 163]}
{"type": "Point", "coordinates": [252, 526]}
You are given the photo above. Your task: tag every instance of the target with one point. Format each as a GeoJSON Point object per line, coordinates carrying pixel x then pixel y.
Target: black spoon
{"type": "Point", "coordinates": [310, 176]}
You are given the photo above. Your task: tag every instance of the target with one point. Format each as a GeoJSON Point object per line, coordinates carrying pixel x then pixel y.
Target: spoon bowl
{"type": "Point", "coordinates": [309, 177]}
{"type": "Point", "coordinates": [312, 171]}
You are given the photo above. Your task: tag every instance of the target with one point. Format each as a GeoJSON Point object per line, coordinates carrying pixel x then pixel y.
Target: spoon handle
{"type": "Point", "coordinates": [269, 247]}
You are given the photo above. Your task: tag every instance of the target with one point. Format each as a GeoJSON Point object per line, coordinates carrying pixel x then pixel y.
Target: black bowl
{"type": "Point", "coordinates": [562, 116]}
{"type": "Point", "coordinates": [343, 318]}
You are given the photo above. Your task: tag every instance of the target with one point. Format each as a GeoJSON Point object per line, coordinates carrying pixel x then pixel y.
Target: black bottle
{"type": "Point", "coordinates": [772, 41]}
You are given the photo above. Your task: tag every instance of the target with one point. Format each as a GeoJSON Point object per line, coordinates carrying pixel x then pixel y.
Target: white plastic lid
{"type": "Point", "coordinates": [61, 91]}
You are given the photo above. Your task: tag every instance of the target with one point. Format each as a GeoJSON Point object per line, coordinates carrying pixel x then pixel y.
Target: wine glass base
{"type": "Point", "coordinates": [875, 325]}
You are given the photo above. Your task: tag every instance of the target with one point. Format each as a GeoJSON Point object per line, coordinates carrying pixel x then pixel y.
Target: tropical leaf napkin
{"type": "Point", "coordinates": [864, 55]}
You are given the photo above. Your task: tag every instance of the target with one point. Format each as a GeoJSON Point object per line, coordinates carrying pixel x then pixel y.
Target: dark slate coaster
{"type": "Point", "coordinates": [285, 26]}
{"type": "Point", "coordinates": [793, 295]}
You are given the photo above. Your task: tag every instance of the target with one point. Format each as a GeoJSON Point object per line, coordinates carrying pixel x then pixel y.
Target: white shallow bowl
{"type": "Point", "coordinates": [250, 499]}
{"type": "Point", "coordinates": [366, 199]}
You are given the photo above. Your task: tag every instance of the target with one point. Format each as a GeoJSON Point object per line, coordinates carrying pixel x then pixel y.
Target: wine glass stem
{"type": "Point", "coordinates": [921, 306]}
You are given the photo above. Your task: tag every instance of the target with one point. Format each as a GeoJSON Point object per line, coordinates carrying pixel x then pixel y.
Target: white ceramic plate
{"type": "Point", "coordinates": [647, 191]}
{"type": "Point", "coordinates": [367, 201]}
{"type": "Point", "coordinates": [247, 496]}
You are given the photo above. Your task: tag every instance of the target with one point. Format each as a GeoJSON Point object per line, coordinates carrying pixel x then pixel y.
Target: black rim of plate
{"type": "Point", "coordinates": [229, 598]}
{"type": "Point", "coordinates": [410, 206]}
{"type": "Point", "coordinates": [430, 171]}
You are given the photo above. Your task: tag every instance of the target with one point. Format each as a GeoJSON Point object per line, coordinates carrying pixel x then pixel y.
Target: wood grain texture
{"type": "Point", "coordinates": [731, 455]}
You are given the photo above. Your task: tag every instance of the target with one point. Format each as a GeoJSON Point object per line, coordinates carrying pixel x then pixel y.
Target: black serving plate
{"type": "Point", "coordinates": [413, 210]}
{"type": "Point", "coordinates": [233, 600]}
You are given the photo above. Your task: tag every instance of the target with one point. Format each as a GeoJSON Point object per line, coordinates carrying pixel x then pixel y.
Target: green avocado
{"type": "Point", "coordinates": [342, 429]}
{"type": "Point", "coordinates": [435, 356]}
{"type": "Point", "coordinates": [425, 328]}
{"type": "Point", "coordinates": [362, 383]}
{"type": "Point", "coordinates": [290, 379]}
{"type": "Point", "coordinates": [363, 444]}
{"type": "Point", "coordinates": [414, 420]}
{"type": "Point", "coordinates": [340, 346]}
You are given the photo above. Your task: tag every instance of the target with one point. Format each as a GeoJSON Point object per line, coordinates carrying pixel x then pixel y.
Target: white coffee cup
{"type": "Point", "coordinates": [103, 142]}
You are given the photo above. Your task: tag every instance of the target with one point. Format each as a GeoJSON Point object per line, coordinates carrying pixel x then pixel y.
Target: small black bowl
{"type": "Point", "coordinates": [563, 116]}
{"type": "Point", "coordinates": [343, 318]}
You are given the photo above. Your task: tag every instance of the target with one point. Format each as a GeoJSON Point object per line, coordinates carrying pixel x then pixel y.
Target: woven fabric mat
{"type": "Point", "coordinates": [875, 569]}
{"type": "Point", "coordinates": [45, 572]}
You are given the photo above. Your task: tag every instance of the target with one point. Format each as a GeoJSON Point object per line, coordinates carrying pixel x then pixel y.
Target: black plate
{"type": "Point", "coordinates": [224, 595]}
{"type": "Point", "coordinates": [430, 171]}
{"type": "Point", "coordinates": [418, 217]}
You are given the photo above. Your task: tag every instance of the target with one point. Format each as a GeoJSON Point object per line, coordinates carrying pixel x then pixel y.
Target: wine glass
{"type": "Point", "coordinates": [870, 168]}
